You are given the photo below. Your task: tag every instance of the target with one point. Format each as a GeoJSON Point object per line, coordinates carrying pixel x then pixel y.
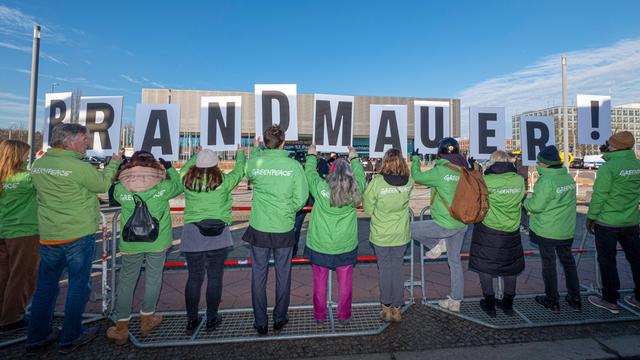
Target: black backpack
{"type": "Point", "coordinates": [141, 226]}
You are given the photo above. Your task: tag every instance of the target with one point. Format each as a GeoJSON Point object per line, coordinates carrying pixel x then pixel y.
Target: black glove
{"type": "Point", "coordinates": [471, 162]}
{"type": "Point", "coordinates": [416, 152]}
{"type": "Point", "coordinates": [167, 164]}
{"type": "Point", "coordinates": [591, 224]}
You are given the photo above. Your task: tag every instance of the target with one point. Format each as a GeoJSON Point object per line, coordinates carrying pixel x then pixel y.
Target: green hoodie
{"type": "Point", "coordinates": [506, 192]}
{"type": "Point", "coordinates": [214, 204]}
{"type": "Point", "coordinates": [388, 206]}
{"type": "Point", "coordinates": [332, 230]}
{"type": "Point", "coordinates": [616, 191]}
{"type": "Point", "coordinates": [279, 190]}
{"type": "Point", "coordinates": [68, 186]}
{"type": "Point", "coordinates": [157, 200]}
{"type": "Point", "coordinates": [553, 204]}
{"type": "Point", "coordinates": [18, 207]}
{"type": "Point", "coordinates": [445, 181]}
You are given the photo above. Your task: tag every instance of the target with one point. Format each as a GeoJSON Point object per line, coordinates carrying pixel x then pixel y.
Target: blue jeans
{"type": "Point", "coordinates": [77, 257]}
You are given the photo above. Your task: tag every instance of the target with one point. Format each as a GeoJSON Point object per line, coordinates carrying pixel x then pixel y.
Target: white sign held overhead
{"type": "Point", "coordinates": [333, 122]}
{"type": "Point", "coordinates": [486, 131]}
{"type": "Point", "coordinates": [431, 124]}
{"type": "Point", "coordinates": [220, 121]}
{"type": "Point", "coordinates": [594, 119]}
{"type": "Point", "coordinates": [157, 130]}
{"type": "Point", "coordinates": [57, 110]}
{"type": "Point", "coordinates": [387, 129]}
{"type": "Point", "coordinates": [102, 115]}
{"type": "Point", "coordinates": [536, 132]}
{"type": "Point", "coordinates": [277, 104]}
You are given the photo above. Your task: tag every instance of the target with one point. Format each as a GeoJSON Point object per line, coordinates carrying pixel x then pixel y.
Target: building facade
{"type": "Point", "coordinates": [189, 101]}
{"type": "Point", "coordinates": [623, 117]}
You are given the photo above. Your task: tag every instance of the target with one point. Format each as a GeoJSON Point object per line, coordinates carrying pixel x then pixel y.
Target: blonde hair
{"type": "Point", "coordinates": [499, 156]}
{"type": "Point", "coordinates": [11, 159]}
{"type": "Point", "coordinates": [393, 163]}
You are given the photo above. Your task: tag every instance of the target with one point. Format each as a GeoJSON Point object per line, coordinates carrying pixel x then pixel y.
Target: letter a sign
{"type": "Point", "coordinates": [333, 122]}
{"type": "Point", "coordinates": [157, 130]}
{"type": "Point", "coordinates": [387, 129]}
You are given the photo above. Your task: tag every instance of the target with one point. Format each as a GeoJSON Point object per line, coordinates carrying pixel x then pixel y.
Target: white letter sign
{"type": "Point", "coordinates": [102, 115]}
{"type": "Point", "coordinates": [220, 118]}
{"type": "Point", "coordinates": [431, 124]}
{"type": "Point", "coordinates": [277, 104]}
{"type": "Point", "coordinates": [57, 110]}
{"type": "Point", "coordinates": [333, 122]}
{"type": "Point", "coordinates": [158, 129]}
{"type": "Point", "coordinates": [387, 129]}
{"type": "Point", "coordinates": [536, 132]}
{"type": "Point", "coordinates": [486, 131]}
{"type": "Point", "coordinates": [594, 119]}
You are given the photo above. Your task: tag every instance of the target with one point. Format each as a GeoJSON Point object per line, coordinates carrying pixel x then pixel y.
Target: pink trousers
{"type": "Point", "coordinates": [320, 276]}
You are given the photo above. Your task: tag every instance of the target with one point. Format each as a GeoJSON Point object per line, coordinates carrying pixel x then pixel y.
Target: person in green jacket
{"type": "Point", "coordinates": [206, 237]}
{"type": "Point", "coordinates": [153, 182]}
{"type": "Point", "coordinates": [18, 235]}
{"type": "Point", "coordinates": [279, 191]}
{"type": "Point", "coordinates": [386, 200]}
{"type": "Point", "coordinates": [68, 217]}
{"type": "Point", "coordinates": [332, 237]}
{"type": "Point", "coordinates": [614, 217]}
{"type": "Point", "coordinates": [443, 232]}
{"type": "Point", "coordinates": [552, 224]}
{"type": "Point", "coordinates": [496, 247]}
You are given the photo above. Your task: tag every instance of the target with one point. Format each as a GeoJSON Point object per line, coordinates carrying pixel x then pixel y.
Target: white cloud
{"type": "Point", "coordinates": [27, 49]}
{"type": "Point", "coordinates": [607, 70]}
{"type": "Point", "coordinates": [129, 79]}
{"type": "Point", "coordinates": [16, 24]}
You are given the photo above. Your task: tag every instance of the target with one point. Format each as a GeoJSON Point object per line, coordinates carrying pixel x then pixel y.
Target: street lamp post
{"type": "Point", "coordinates": [53, 87]}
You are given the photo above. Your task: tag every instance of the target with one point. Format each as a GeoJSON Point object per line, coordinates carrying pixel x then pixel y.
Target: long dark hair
{"type": "Point", "coordinates": [142, 158]}
{"type": "Point", "coordinates": [199, 179]}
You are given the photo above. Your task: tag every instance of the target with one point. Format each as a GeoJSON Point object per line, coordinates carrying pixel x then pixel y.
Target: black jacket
{"type": "Point", "coordinates": [495, 252]}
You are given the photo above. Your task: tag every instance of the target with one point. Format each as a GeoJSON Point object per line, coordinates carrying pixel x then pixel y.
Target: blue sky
{"type": "Point", "coordinates": [494, 53]}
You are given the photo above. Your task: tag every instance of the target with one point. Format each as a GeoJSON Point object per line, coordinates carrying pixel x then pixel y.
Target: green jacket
{"type": "Point", "coordinates": [332, 230]}
{"type": "Point", "coordinates": [553, 204]}
{"type": "Point", "coordinates": [68, 186]}
{"type": "Point", "coordinates": [18, 207]}
{"type": "Point", "coordinates": [616, 191]}
{"type": "Point", "coordinates": [388, 206]}
{"type": "Point", "coordinates": [157, 200]}
{"type": "Point", "coordinates": [445, 181]}
{"type": "Point", "coordinates": [506, 192]}
{"type": "Point", "coordinates": [214, 204]}
{"type": "Point", "coordinates": [279, 190]}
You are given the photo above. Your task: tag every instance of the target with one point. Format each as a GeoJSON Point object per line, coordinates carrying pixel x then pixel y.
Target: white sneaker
{"type": "Point", "coordinates": [437, 250]}
{"type": "Point", "coordinates": [631, 300]}
{"type": "Point", "coordinates": [450, 304]}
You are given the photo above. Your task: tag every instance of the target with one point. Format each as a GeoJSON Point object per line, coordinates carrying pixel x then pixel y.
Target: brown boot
{"type": "Point", "coordinates": [148, 323]}
{"type": "Point", "coordinates": [395, 314]}
{"type": "Point", "coordinates": [119, 334]}
{"type": "Point", "coordinates": [385, 314]}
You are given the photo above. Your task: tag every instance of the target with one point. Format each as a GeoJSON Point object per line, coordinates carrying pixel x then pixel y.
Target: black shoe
{"type": "Point", "coordinates": [277, 326]}
{"type": "Point", "coordinates": [488, 305]}
{"type": "Point", "coordinates": [13, 327]}
{"type": "Point", "coordinates": [192, 325]}
{"type": "Point", "coordinates": [51, 339]}
{"type": "Point", "coordinates": [88, 335]}
{"type": "Point", "coordinates": [262, 330]}
{"type": "Point", "coordinates": [213, 323]}
{"type": "Point", "coordinates": [544, 301]}
{"type": "Point", "coordinates": [506, 304]}
{"type": "Point", "coordinates": [576, 304]}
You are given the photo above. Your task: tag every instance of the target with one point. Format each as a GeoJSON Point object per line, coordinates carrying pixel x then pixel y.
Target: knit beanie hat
{"type": "Point", "coordinates": [207, 159]}
{"type": "Point", "coordinates": [549, 155]}
{"type": "Point", "coordinates": [622, 140]}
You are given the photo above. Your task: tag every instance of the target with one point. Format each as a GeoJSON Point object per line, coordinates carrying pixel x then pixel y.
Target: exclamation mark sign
{"type": "Point", "coordinates": [595, 119]}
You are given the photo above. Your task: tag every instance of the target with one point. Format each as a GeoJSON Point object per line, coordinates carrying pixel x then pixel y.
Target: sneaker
{"type": "Point", "coordinates": [277, 326]}
{"type": "Point", "coordinates": [192, 325]}
{"type": "Point", "coordinates": [342, 324]}
{"type": "Point", "coordinates": [450, 304]}
{"type": "Point", "coordinates": [212, 324]}
{"type": "Point", "coordinates": [575, 304]}
{"type": "Point", "coordinates": [437, 250]}
{"type": "Point", "coordinates": [320, 324]}
{"type": "Point", "coordinates": [603, 304]}
{"type": "Point", "coordinates": [551, 305]}
{"type": "Point", "coordinates": [51, 339]}
{"type": "Point", "coordinates": [631, 300]}
{"type": "Point", "coordinates": [87, 337]}
{"type": "Point", "coordinates": [13, 327]}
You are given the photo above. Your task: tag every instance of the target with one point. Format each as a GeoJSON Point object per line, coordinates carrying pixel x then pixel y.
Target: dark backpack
{"type": "Point", "coordinates": [471, 202]}
{"type": "Point", "coordinates": [141, 226]}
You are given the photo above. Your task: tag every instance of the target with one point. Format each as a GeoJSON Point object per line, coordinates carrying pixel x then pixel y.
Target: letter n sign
{"type": "Point", "coordinates": [220, 119]}
{"type": "Point", "coordinates": [536, 133]}
{"type": "Point", "coordinates": [333, 122]}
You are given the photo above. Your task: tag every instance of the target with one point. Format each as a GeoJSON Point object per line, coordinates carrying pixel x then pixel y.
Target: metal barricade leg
{"type": "Point", "coordinates": [330, 303]}
{"type": "Point", "coordinates": [114, 251]}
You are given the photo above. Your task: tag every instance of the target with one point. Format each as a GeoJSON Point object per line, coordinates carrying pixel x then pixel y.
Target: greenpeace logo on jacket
{"type": "Point", "coordinates": [18, 207]}
{"type": "Point", "coordinates": [505, 191]}
{"type": "Point", "coordinates": [52, 172]}
{"type": "Point", "coordinates": [271, 172]}
{"type": "Point", "coordinates": [394, 190]}
{"type": "Point", "coordinates": [454, 178]}
{"type": "Point", "coordinates": [10, 186]}
{"type": "Point", "coordinates": [629, 172]}
{"type": "Point", "coordinates": [563, 189]}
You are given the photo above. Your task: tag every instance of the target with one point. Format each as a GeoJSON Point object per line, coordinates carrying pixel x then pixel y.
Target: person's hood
{"type": "Point", "coordinates": [395, 180]}
{"type": "Point", "coordinates": [141, 178]}
{"type": "Point", "coordinates": [500, 168]}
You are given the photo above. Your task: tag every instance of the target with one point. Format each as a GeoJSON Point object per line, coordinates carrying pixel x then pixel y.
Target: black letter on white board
{"type": "Point", "coordinates": [226, 130]}
{"type": "Point", "coordinates": [484, 133]}
{"type": "Point", "coordinates": [534, 145]}
{"type": "Point", "coordinates": [343, 119]}
{"type": "Point", "coordinates": [267, 113]}
{"type": "Point", "coordinates": [102, 128]}
{"type": "Point", "coordinates": [53, 119]}
{"type": "Point", "coordinates": [157, 118]}
{"type": "Point", "coordinates": [388, 119]}
{"type": "Point", "coordinates": [424, 126]}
